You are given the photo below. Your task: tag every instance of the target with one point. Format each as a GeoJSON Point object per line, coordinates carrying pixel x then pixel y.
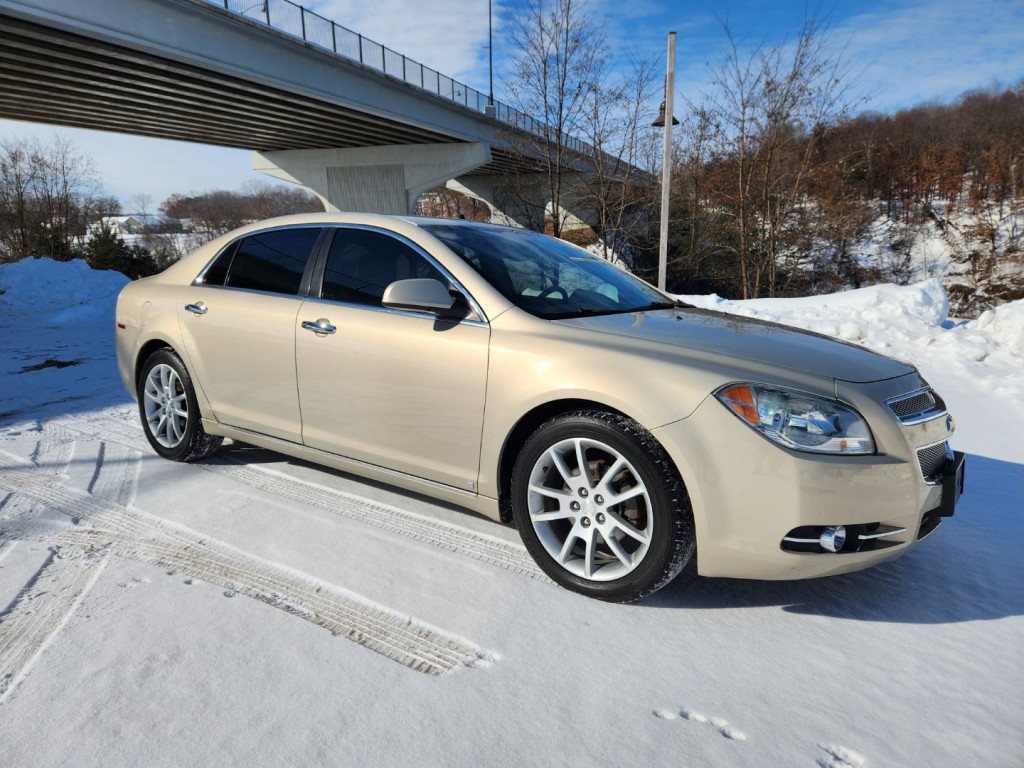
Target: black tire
{"type": "Point", "coordinates": [193, 443]}
{"type": "Point", "coordinates": [668, 515]}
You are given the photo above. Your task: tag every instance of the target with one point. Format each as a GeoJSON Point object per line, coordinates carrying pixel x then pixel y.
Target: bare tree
{"type": "Point", "coordinates": [769, 106]}
{"type": "Point", "coordinates": [616, 189]}
{"type": "Point", "coordinates": [48, 193]}
{"type": "Point", "coordinates": [211, 214]}
{"type": "Point", "coordinates": [560, 56]}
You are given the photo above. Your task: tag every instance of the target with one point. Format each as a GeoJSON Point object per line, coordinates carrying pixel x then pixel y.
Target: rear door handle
{"type": "Point", "coordinates": [320, 327]}
{"type": "Point", "coordinates": [196, 309]}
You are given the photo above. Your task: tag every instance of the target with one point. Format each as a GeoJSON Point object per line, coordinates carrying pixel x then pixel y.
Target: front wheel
{"type": "Point", "coordinates": [169, 412]}
{"type": "Point", "coordinates": [600, 506]}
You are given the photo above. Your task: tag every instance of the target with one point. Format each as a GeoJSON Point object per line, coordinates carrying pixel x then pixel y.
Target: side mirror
{"type": "Point", "coordinates": [423, 295]}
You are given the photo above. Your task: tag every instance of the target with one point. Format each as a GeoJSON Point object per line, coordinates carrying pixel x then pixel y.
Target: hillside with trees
{"type": "Point", "coordinates": [782, 184]}
{"type": "Point", "coordinates": [937, 190]}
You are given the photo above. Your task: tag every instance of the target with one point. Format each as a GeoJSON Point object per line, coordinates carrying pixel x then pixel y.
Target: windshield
{"type": "Point", "coordinates": [545, 276]}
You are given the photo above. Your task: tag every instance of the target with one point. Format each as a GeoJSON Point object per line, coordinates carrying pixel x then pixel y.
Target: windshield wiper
{"type": "Point", "coordinates": [659, 305]}
{"type": "Point", "coordinates": [583, 312]}
{"type": "Point", "coordinates": [592, 311]}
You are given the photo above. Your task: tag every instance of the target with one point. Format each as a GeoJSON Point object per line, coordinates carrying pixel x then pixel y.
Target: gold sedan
{"type": "Point", "coordinates": [622, 432]}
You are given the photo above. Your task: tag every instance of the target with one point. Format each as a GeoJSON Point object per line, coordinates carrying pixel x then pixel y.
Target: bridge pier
{"type": "Point", "coordinates": [381, 179]}
{"type": "Point", "coordinates": [514, 202]}
{"type": "Point", "coordinates": [524, 200]}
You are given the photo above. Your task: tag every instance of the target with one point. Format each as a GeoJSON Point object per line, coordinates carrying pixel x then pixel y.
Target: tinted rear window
{"type": "Point", "coordinates": [273, 261]}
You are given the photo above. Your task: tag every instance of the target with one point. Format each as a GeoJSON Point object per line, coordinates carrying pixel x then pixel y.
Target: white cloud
{"type": "Point", "coordinates": [449, 36]}
{"type": "Point", "coordinates": [935, 49]}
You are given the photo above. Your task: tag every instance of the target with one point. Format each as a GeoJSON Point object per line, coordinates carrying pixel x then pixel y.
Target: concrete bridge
{"type": "Point", "coordinates": [363, 127]}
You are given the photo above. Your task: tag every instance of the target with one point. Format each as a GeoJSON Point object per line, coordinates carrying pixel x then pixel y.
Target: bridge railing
{"type": "Point", "coordinates": [295, 20]}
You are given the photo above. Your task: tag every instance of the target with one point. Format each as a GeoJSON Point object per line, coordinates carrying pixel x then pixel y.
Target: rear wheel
{"type": "Point", "coordinates": [169, 412]}
{"type": "Point", "coordinates": [600, 506]}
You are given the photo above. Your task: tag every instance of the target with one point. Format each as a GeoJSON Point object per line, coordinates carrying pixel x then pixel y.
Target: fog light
{"type": "Point", "coordinates": [832, 539]}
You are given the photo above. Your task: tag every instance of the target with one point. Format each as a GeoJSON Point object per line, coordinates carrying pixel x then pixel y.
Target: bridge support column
{"type": "Point", "coordinates": [385, 179]}
{"type": "Point", "coordinates": [515, 200]}
{"type": "Point", "coordinates": [525, 201]}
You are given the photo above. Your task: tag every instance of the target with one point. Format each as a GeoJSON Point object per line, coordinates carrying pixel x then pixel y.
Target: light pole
{"type": "Point", "coordinates": [666, 119]}
{"type": "Point", "coordinates": [489, 109]}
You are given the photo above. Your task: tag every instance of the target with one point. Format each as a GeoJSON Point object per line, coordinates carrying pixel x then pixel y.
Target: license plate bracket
{"type": "Point", "coordinates": [952, 484]}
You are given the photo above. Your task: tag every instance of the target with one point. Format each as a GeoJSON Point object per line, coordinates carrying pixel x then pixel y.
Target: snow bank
{"type": "Point", "coordinates": [896, 320]}
{"type": "Point", "coordinates": [1005, 325]}
{"type": "Point", "coordinates": [72, 289]}
{"type": "Point", "coordinates": [877, 316]}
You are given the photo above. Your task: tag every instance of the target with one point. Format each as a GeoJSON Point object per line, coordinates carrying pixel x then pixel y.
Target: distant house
{"type": "Point", "coordinates": [139, 223]}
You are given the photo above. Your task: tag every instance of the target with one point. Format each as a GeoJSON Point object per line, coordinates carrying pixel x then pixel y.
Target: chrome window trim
{"type": "Point", "coordinates": [473, 305]}
{"type": "Point", "coordinates": [406, 312]}
{"type": "Point", "coordinates": [198, 280]}
{"type": "Point", "coordinates": [296, 296]}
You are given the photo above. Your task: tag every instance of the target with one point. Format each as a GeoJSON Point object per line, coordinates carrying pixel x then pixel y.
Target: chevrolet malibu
{"type": "Point", "coordinates": [623, 433]}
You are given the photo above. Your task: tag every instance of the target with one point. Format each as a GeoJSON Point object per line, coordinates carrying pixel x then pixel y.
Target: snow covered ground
{"type": "Point", "coordinates": [255, 610]}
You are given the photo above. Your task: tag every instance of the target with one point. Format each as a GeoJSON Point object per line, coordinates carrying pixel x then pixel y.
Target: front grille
{"type": "Point", "coordinates": [916, 406]}
{"type": "Point", "coordinates": [932, 460]}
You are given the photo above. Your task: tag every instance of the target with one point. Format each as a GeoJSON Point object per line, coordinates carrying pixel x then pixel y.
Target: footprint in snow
{"type": "Point", "coordinates": [723, 726]}
{"type": "Point", "coordinates": [840, 757]}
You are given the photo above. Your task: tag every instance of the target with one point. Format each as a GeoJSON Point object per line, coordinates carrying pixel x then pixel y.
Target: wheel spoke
{"type": "Point", "coordinates": [551, 493]}
{"type": "Point", "coordinates": [581, 461]}
{"type": "Point", "coordinates": [567, 545]}
{"type": "Point", "coordinates": [613, 470]}
{"type": "Point", "coordinates": [556, 514]}
{"type": "Point", "coordinates": [631, 493]}
{"type": "Point", "coordinates": [616, 547]}
{"type": "Point", "coordinates": [560, 465]}
{"type": "Point", "coordinates": [151, 396]}
{"type": "Point", "coordinates": [588, 554]}
{"type": "Point", "coordinates": [627, 527]}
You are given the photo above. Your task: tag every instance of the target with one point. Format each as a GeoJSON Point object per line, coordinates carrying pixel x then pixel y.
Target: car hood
{"type": "Point", "coordinates": [750, 339]}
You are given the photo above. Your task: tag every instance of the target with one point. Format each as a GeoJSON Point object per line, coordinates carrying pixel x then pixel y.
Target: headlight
{"type": "Point", "coordinates": [798, 420]}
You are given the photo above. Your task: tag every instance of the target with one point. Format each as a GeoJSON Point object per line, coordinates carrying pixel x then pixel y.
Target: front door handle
{"type": "Point", "coordinates": [196, 309]}
{"type": "Point", "coordinates": [321, 327]}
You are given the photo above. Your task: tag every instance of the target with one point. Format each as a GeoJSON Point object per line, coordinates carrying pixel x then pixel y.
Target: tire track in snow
{"type": "Point", "coordinates": [6, 546]}
{"type": "Point", "coordinates": [40, 612]}
{"type": "Point", "coordinates": [112, 528]}
{"type": "Point", "coordinates": [17, 511]}
{"type": "Point", "coordinates": [117, 473]}
{"type": "Point", "coordinates": [54, 451]}
{"type": "Point", "coordinates": [427, 530]}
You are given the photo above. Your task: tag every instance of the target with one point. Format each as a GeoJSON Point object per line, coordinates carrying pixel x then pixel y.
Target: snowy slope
{"type": "Point", "coordinates": [160, 614]}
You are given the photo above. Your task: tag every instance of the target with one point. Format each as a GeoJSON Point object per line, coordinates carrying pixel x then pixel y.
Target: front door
{"type": "Point", "coordinates": [402, 390]}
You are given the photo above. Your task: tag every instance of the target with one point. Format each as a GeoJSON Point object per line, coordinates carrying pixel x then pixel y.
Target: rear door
{"type": "Point", "coordinates": [238, 324]}
{"type": "Point", "coordinates": [399, 389]}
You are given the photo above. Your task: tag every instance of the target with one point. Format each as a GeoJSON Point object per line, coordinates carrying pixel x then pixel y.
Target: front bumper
{"type": "Point", "coordinates": [749, 494]}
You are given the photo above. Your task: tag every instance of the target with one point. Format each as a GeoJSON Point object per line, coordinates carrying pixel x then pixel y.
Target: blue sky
{"type": "Point", "coordinates": [904, 52]}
